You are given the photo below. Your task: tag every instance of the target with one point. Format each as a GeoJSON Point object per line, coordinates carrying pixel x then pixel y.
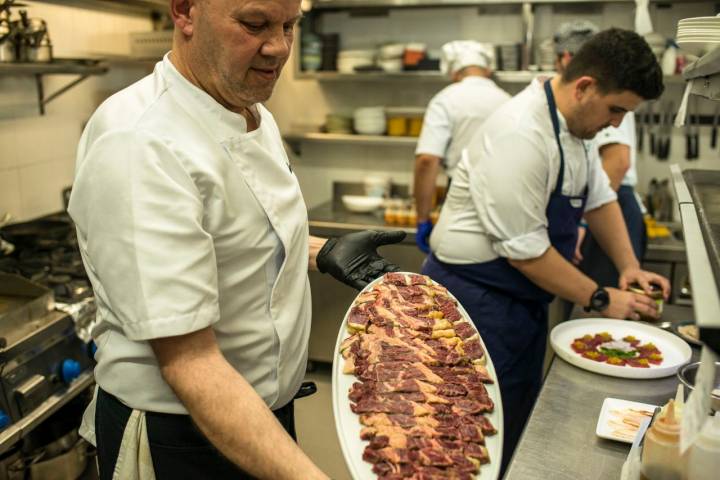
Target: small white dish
{"type": "Point", "coordinates": [361, 204]}
{"type": "Point", "coordinates": [620, 420]}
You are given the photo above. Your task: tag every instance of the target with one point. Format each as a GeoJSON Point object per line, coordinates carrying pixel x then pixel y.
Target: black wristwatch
{"type": "Point", "coordinates": [599, 300]}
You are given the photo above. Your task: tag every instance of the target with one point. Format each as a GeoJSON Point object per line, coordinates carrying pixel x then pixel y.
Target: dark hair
{"type": "Point", "coordinates": [619, 60]}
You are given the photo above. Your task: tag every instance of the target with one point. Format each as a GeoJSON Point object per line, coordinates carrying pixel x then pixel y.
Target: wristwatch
{"type": "Point", "coordinates": [599, 300]}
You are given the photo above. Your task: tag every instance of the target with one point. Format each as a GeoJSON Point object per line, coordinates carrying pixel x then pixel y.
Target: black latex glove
{"type": "Point", "coordinates": [353, 258]}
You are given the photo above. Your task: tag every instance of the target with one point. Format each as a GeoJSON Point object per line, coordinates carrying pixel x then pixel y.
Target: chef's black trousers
{"type": "Point", "coordinates": [178, 449]}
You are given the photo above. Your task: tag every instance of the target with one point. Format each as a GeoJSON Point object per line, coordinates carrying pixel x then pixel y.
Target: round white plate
{"type": "Point", "coordinates": [348, 425]}
{"type": "Point", "coordinates": [675, 351]}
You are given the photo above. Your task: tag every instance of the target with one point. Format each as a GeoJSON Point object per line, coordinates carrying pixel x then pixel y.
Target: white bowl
{"type": "Point", "coordinates": [361, 204]}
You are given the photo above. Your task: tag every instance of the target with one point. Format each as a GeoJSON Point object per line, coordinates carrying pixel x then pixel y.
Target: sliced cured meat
{"type": "Point", "coordinates": [421, 396]}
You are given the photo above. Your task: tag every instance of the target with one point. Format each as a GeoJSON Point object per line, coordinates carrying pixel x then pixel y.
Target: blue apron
{"type": "Point", "coordinates": [596, 264]}
{"type": "Point", "coordinates": [509, 310]}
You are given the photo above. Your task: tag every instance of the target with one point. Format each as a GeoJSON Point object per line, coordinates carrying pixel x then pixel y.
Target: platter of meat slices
{"type": "Point", "coordinates": [415, 395]}
{"type": "Point", "coordinates": [619, 348]}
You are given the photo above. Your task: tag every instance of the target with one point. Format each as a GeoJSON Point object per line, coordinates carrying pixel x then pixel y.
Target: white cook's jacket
{"type": "Point", "coordinates": [186, 220]}
{"type": "Point", "coordinates": [453, 116]}
{"type": "Point", "coordinates": [497, 203]}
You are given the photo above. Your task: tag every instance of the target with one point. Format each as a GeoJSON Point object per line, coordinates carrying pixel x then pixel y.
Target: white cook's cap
{"type": "Point", "coordinates": [459, 54]}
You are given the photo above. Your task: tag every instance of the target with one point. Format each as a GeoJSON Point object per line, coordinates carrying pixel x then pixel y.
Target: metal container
{"type": "Point", "coordinates": [7, 51]}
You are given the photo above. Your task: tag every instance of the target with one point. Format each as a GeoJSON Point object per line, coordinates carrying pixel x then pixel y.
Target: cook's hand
{"type": "Point", "coordinates": [644, 279]}
{"type": "Point", "coordinates": [353, 258]}
{"type": "Point", "coordinates": [422, 237]}
{"type": "Point", "coordinates": [629, 305]}
{"type": "Point", "coordinates": [577, 256]}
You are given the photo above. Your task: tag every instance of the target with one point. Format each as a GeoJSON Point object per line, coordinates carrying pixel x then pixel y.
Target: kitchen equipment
{"type": "Point", "coordinates": [509, 56]}
{"type": "Point", "coordinates": [714, 130]}
{"type": "Point", "coordinates": [150, 44]}
{"type": "Point", "coordinates": [413, 54]}
{"type": "Point", "coordinates": [361, 204]}
{"type": "Point", "coordinates": [684, 330]}
{"type": "Point", "coordinates": [7, 42]}
{"type": "Point", "coordinates": [29, 233]}
{"type": "Point", "coordinates": [348, 425]}
{"type": "Point", "coordinates": [674, 350]}
{"type": "Point", "coordinates": [349, 60]}
{"type": "Point", "coordinates": [687, 376]}
{"type": "Point", "coordinates": [335, 123]}
{"type": "Point", "coordinates": [370, 121]}
{"type": "Point", "coordinates": [330, 47]}
{"type": "Point", "coordinates": [377, 186]}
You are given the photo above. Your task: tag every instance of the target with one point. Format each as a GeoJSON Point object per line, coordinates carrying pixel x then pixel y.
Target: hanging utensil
{"type": "Point", "coordinates": [714, 131]}
{"type": "Point", "coordinates": [696, 129]}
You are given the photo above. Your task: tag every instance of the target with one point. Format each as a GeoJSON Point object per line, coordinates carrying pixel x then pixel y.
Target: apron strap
{"type": "Point", "coordinates": [556, 129]}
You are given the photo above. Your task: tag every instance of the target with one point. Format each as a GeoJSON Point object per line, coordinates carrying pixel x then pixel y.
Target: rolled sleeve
{"type": "Point", "coordinates": [620, 134]}
{"type": "Point", "coordinates": [436, 130]}
{"type": "Point", "coordinates": [599, 190]}
{"type": "Point", "coordinates": [511, 195]}
{"type": "Point", "coordinates": [142, 217]}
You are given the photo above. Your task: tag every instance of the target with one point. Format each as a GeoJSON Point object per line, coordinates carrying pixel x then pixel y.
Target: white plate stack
{"type": "Point", "coordinates": [699, 35]}
{"type": "Point", "coordinates": [391, 57]}
{"type": "Point", "coordinates": [348, 60]}
{"type": "Point", "coordinates": [370, 121]}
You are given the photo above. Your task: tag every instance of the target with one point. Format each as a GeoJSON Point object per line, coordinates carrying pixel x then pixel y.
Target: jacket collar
{"type": "Point", "coordinates": [223, 123]}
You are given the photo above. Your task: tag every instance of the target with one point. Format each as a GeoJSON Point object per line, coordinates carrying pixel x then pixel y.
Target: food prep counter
{"type": "Point", "coordinates": [559, 441]}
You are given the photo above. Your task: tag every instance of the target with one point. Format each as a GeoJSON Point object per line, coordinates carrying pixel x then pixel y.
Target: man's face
{"type": "Point", "coordinates": [239, 47]}
{"type": "Point", "coordinates": [593, 110]}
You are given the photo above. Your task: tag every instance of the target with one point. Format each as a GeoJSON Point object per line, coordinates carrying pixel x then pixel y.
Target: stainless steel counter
{"type": "Point", "coordinates": [332, 219]}
{"type": "Point", "coordinates": [559, 440]}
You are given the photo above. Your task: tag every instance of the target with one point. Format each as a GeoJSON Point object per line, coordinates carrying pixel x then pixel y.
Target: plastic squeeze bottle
{"type": "Point", "coordinates": [704, 456]}
{"type": "Point", "coordinates": [661, 458]}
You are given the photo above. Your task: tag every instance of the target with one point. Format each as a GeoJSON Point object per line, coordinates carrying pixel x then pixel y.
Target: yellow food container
{"type": "Point", "coordinates": [415, 126]}
{"type": "Point", "coordinates": [397, 126]}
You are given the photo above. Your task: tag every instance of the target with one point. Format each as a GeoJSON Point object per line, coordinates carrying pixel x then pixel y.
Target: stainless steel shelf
{"type": "Point", "coordinates": [501, 76]}
{"type": "Point", "coordinates": [429, 75]}
{"type": "Point", "coordinates": [138, 7]}
{"type": "Point", "coordinates": [351, 139]}
{"type": "Point", "coordinates": [82, 67]}
{"type": "Point", "coordinates": [56, 67]}
{"type": "Point", "coordinates": [346, 4]}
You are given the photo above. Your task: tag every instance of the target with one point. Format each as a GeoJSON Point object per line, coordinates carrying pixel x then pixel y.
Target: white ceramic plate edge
{"type": "Point", "coordinates": [604, 416]}
{"type": "Point", "coordinates": [595, 325]}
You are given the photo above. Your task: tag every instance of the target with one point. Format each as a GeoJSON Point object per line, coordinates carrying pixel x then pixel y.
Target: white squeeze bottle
{"type": "Point", "coordinates": [661, 458]}
{"type": "Point", "coordinates": [704, 459]}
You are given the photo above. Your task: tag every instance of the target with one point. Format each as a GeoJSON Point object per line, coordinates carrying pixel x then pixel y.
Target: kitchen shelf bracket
{"type": "Point", "coordinates": [43, 100]}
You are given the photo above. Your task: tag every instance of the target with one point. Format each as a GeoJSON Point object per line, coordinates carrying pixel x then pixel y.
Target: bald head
{"type": "Point", "coordinates": [233, 49]}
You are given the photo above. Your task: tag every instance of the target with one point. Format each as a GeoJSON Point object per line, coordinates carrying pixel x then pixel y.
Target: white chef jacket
{"type": "Point", "coordinates": [497, 201]}
{"type": "Point", "coordinates": [453, 116]}
{"type": "Point", "coordinates": [186, 220]}
{"type": "Point", "coordinates": [625, 135]}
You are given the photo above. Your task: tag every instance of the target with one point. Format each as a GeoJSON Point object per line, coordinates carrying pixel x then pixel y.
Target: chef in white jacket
{"type": "Point", "coordinates": [618, 152]}
{"type": "Point", "coordinates": [508, 228]}
{"type": "Point", "coordinates": [452, 117]}
{"type": "Point", "coordinates": [194, 234]}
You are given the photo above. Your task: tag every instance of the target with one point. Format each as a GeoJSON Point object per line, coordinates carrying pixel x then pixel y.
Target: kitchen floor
{"type": "Point", "coordinates": [315, 425]}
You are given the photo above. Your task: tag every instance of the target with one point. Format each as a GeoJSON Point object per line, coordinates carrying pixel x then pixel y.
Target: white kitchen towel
{"type": "Point", "coordinates": [134, 460]}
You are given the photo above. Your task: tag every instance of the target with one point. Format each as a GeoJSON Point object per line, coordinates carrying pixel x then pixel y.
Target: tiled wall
{"type": "Point", "coordinates": [37, 153]}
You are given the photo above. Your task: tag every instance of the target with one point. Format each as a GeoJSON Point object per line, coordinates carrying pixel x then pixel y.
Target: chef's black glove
{"type": "Point", "coordinates": [353, 258]}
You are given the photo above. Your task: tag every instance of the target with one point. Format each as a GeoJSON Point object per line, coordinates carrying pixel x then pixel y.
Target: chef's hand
{"type": "Point", "coordinates": [629, 305]}
{"type": "Point", "coordinates": [577, 256]}
{"type": "Point", "coordinates": [644, 279]}
{"type": "Point", "coordinates": [422, 237]}
{"type": "Point", "coordinates": [353, 258]}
